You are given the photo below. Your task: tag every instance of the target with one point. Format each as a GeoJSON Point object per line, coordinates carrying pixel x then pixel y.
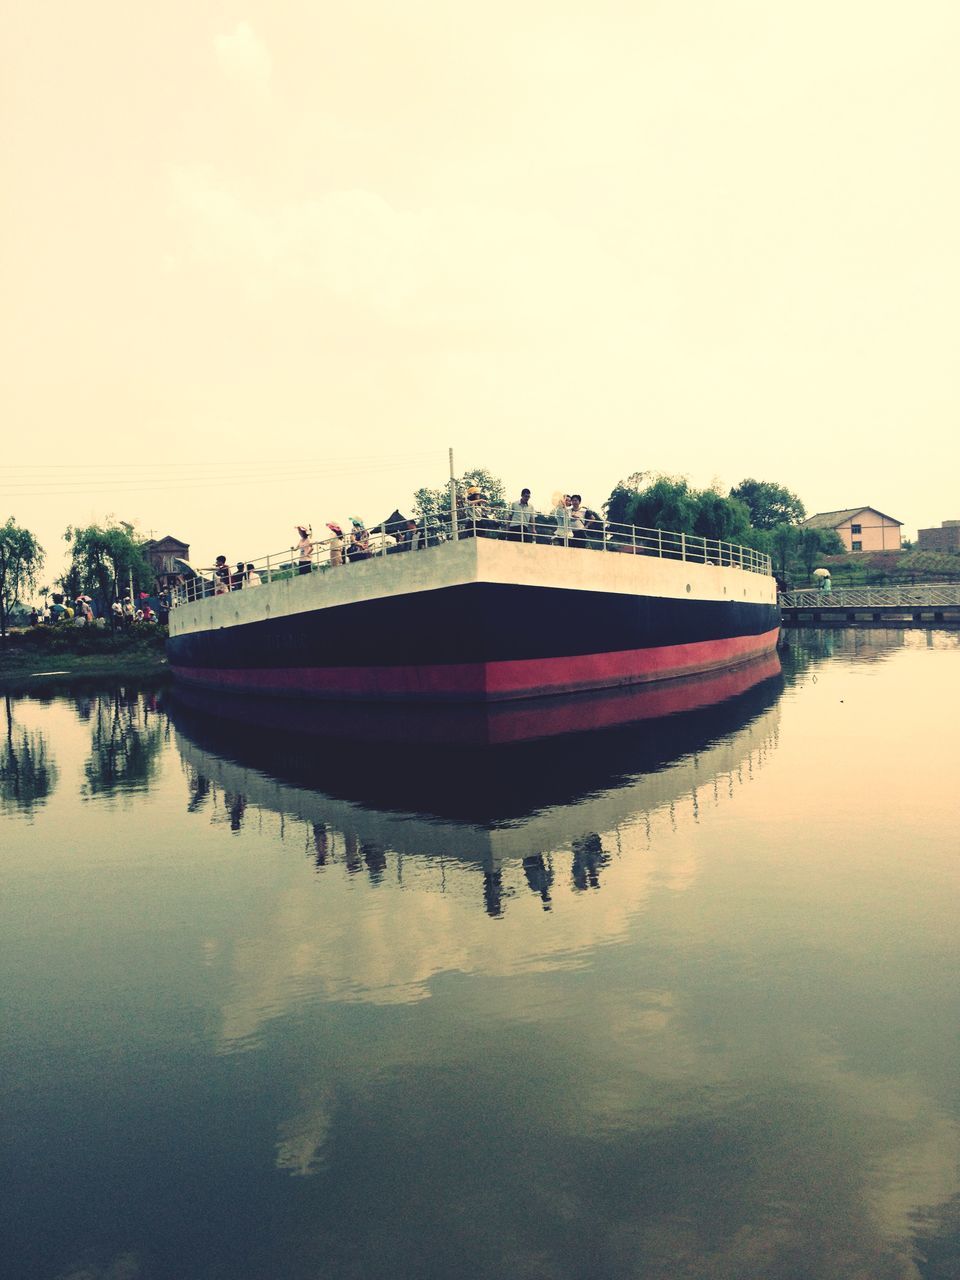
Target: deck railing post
{"type": "Point", "coordinates": [683, 546]}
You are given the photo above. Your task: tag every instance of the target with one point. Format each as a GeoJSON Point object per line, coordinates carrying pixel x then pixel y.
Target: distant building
{"type": "Point", "coordinates": [860, 528]}
{"type": "Point", "coordinates": [164, 555]}
{"type": "Point", "coordinates": [946, 538]}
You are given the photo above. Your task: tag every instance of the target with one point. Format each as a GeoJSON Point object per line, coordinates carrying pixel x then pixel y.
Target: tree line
{"type": "Point", "coordinates": [757, 513]}
{"type": "Point", "coordinates": [760, 514]}
{"type": "Point", "coordinates": [105, 559]}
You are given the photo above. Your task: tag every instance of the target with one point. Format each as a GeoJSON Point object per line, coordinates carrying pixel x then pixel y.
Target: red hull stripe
{"type": "Point", "coordinates": [490, 681]}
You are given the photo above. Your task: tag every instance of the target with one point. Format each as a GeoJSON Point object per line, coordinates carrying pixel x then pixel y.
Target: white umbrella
{"type": "Point", "coordinates": [821, 573]}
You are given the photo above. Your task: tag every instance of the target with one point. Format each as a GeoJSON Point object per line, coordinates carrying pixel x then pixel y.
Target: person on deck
{"type": "Point", "coordinates": [578, 528]}
{"type": "Point", "coordinates": [561, 513]}
{"type": "Point", "coordinates": [474, 512]}
{"type": "Point", "coordinates": [479, 522]}
{"type": "Point", "coordinates": [335, 544]}
{"type": "Point", "coordinates": [359, 548]}
{"type": "Point", "coordinates": [520, 519]}
{"type": "Point", "coordinates": [407, 536]}
{"type": "Point", "coordinates": [304, 548]}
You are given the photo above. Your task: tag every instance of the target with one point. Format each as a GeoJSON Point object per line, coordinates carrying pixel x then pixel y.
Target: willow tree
{"type": "Point", "coordinates": [668, 502]}
{"type": "Point", "coordinates": [104, 559]}
{"type": "Point", "coordinates": [21, 559]}
{"type": "Point", "coordinates": [28, 771]}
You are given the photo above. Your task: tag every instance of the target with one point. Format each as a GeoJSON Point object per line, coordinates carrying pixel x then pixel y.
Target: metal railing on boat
{"type": "Point", "coordinates": [585, 531]}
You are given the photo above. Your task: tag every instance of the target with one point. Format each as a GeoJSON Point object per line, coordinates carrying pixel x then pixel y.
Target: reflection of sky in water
{"type": "Point", "coordinates": [727, 1049]}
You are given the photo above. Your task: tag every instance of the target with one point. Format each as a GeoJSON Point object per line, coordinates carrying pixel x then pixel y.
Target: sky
{"type": "Point", "coordinates": [268, 262]}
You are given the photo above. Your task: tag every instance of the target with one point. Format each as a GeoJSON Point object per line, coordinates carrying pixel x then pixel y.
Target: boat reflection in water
{"type": "Point", "coordinates": [477, 788]}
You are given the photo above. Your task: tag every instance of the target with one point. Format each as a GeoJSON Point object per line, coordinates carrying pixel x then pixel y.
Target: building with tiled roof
{"type": "Point", "coordinates": [165, 555]}
{"type": "Point", "coordinates": [859, 528]}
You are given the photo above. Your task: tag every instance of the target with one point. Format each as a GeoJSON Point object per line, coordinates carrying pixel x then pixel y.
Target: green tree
{"type": "Point", "coordinates": [21, 558]}
{"type": "Point", "coordinates": [434, 504]}
{"type": "Point", "coordinates": [783, 544]}
{"type": "Point", "coordinates": [103, 558]}
{"type": "Point", "coordinates": [769, 504]}
{"type": "Point", "coordinates": [666, 502]}
{"type": "Point", "coordinates": [814, 544]}
{"type": "Point", "coordinates": [726, 519]}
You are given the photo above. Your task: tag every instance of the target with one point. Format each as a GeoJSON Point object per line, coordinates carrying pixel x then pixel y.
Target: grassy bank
{"type": "Point", "coordinates": [65, 655]}
{"type": "Point", "coordinates": [888, 568]}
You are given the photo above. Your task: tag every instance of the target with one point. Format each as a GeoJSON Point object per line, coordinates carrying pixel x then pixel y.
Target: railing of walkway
{"type": "Point", "coordinates": [584, 532]}
{"type": "Point", "coordinates": [923, 596]}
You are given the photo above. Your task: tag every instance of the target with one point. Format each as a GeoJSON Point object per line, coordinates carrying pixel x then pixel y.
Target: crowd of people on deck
{"type": "Point", "coordinates": [569, 523]}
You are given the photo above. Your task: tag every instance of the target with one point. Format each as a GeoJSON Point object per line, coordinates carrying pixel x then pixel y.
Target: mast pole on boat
{"type": "Point", "coordinates": [453, 501]}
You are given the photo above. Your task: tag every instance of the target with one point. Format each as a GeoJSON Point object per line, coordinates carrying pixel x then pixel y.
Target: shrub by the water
{"type": "Point", "coordinates": [65, 637]}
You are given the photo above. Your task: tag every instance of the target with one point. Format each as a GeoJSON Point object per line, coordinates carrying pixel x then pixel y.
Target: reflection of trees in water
{"type": "Point", "coordinates": [199, 792]}
{"type": "Point", "coordinates": [127, 734]}
{"type": "Point", "coordinates": [28, 773]}
{"type": "Point", "coordinates": [83, 705]}
{"type": "Point", "coordinates": [805, 647]}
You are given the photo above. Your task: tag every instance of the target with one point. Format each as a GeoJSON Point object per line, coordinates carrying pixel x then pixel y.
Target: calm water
{"type": "Point", "coordinates": [674, 998]}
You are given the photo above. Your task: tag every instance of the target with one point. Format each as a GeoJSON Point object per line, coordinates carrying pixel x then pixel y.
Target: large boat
{"type": "Point", "coordinates": [480, 618]}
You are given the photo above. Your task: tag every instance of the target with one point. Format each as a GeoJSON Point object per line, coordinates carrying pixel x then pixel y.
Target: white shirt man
{"type": "Point", "coordinates": [520, 518]}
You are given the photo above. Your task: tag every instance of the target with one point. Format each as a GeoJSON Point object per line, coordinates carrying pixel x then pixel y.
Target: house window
{"type": "Point", "coordinates": [855, 528]}
{"type": "Point", "coordinates": [856, 546]}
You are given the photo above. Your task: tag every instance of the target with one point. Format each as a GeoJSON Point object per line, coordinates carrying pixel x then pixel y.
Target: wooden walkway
{"type": "Point", "coordinates": [850, 606]}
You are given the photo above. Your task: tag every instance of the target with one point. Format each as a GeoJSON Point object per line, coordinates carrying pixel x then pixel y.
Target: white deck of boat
{"type": "Point", "coordinates": [474, 560]}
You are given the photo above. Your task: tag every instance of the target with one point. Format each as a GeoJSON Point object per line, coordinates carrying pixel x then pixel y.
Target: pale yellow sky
{"type": "Point", "coordinates": [266, 262]}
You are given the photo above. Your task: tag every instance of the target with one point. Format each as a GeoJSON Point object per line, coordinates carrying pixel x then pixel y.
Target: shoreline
{"type": "Point", "coordinates": [35, 669]}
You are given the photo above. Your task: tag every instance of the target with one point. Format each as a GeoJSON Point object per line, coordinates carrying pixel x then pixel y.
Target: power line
{"type": "Point", "coordinates": [211, 479]}
{"type": "Point", "coordinates": [277, 462]}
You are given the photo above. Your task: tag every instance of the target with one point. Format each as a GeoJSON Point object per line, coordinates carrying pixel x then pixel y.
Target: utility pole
{"type": "Point", "coordinates": [453, 501]}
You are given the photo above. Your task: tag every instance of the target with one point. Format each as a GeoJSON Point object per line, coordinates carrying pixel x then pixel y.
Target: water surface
{"type": "Point", "coordinates": [676, 997]}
